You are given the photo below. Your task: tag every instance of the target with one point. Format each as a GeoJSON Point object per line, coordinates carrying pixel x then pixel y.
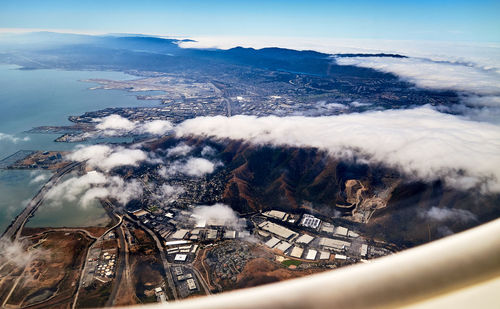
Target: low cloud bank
{"type": "Point", "coordinates": [220, 213]}
{"type": "Point", "coordinates": [84, 189]}
{"type": "Point", "coordinates": [39, 178]}
{"type": "Point", "coordinates": [445, 214]}
{"type": "Point", "coordinates": [168, 193]}
{"type": "Point", "coordinates": [13, 252]}
{"type": "Point", "coordinates": [194, 167]}
{"type": "Point", "coordinates": [107, 157]}
{"type": "Point", "coordinates": [433, 74]}
{"type": "Point", "coordinates": [13, 139]}
{"type": "Point", "coordinates": [480, 87]}
{"type": "Point", "coordinates": [180, 150]}
{"type": "Point", "coordinates": [420, 142]}
{"type": "Point", "coordinates": [116, 125]}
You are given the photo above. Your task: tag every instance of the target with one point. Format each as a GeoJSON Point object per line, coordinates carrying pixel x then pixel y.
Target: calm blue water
{"type": "Point", "coordinates": [44, 97]}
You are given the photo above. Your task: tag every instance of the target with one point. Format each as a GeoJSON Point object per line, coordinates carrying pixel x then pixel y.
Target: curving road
{"type": "Point", "coordinates": [84, 269]}
{"type": "Point", "coordinates": [15, 228]}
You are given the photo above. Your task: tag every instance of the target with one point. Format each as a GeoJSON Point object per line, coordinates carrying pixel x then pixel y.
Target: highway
{"type": "Point", "coordinates": [15, 228]}
{"type": "Point", "coordinates": [84, 269]}
{"type": "Point", "coordinates": [166, 264]}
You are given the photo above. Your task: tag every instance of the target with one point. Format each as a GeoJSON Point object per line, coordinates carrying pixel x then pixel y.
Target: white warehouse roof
{"type": "Point", "coordinates": [277, 230]}
{"type": "Point", "coordinates": [297, 252]}
{"type": "Point", "coordinates": [304, 239]}
{"type": "Point", "coordinates": [272, 242]}
{"type": "Point", "coordinates": [311, 254]}
{"type": "Point", "coordinates": [283, 246]}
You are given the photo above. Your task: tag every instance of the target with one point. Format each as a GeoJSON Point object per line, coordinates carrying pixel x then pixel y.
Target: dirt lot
{"type": "Point", "coordinates": [50, 279]}
{"type": "Point", "coordinates": [146, 269]}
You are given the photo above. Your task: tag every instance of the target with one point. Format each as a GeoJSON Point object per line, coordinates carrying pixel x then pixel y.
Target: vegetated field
{"type": "Point", "coordinates": [287, 263]}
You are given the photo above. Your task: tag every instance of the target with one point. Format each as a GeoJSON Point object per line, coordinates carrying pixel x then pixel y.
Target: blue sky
{"type": "Point", "coordinates": [420, 20]}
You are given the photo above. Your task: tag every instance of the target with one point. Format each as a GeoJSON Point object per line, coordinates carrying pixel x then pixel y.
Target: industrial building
{"type": "Point", "coordinates": [211, 234]}
{"type": "Point", "coordinates": [327, 227]}
{"type": "Point", "coordinates": [229, 234]}
{"type": "Point", "coordinates": [272, 242]}
{"type": "Point", "coordinates": [311, 254]}
{"type": "Point", "coordinates": [324, 255]}
{"type": "Point", "coordinates": [341, 231]}
{"type": "Point", "coordinates": [333, 244]}
{"type": "Point", "coordinates": [276, 214]}
{"type": "Point", "coordinates": [191, 284]}
{"type": "Point", "coordinates": [179, 234]}
{"type": "Point", "coordinates": [304, 239]}
{"type": "Point", "coordinates": [180, 257]}
{"type": "Point", "coordinates": [283, 246]}
{"type": "Point", "coordinates": [297, 252]}
{"type": "Point", "coordinates": [278, 230]}
{"type": "Point", "coordinates": [363, 250]}
{"type": "Point", "coordinates": [310, 221]}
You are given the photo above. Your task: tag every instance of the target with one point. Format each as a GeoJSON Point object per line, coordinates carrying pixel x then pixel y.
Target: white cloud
{"type": "Point", "coordinates": [445, 214]}
{"type": "Point", "coordinates": [106, 157]}
{"type": "Point", "coordinates": [70, 189]}
{"type": "Point", "coordinates": [359, 104]}
{"type": "Point", "coordinates": [197, 167]}
{"type": "Point", "coordinates": [323, 108]}
{"type": "Point", "coordinates": [179, 150]}
{"type": "Point", "coordinates": [13, 139]}
{"type": "Point", "coordinates": [115, 122]}
{"type": "Point", "coordinates": [168, 193]}
{"type": "Point", "coordinates": [433, 74]}
{"type": "Point", "coordinates": [84, 189]}
{"type": "Point", "coordinates": [207, 151]}
{"type": "Point", "coordinates": [220, 213]}
{"type": "Point", "coordinates": [116, 125]}
{"type": "Point", "coordinates": [420, 142]}
{"type": "Point", "coordinates": [14, 252]}
{"type": "Point", "coordinates": [194, 167]}
{"type": "Point", "coordinates": [156, 127]}
{"type": "Point", "coordinates": [39, 178]}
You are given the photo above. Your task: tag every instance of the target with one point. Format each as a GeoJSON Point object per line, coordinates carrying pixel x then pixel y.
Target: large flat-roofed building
{"type": "Point", "coordinates": [324, 255]}
{"type": "Point", "coordinates": [352, 234]}
{"type": "Point", "coordinates": [340, 230]}
{"type": "Point", "coordinates": [363, 250]}
{"type": "Point", "coordinates": [140, 213]}
{"type": "Point", "coordinates": [311, 254]}
{"type": "Point", "coordinates": [229, 234]}
{"type": "Point", "coordinates": [211, 234]}
{"type": "Point", "coordinates": [180, 257]}
{"type": "Point", "coordinates": [178, 271]}
{"type": "Point", "coordinates": [276, 214]}
{"type": "Point", "coordinates": [297, 252]}
{"type": "Point", "coordinates": [333, 244]}
{"type": "Point", "coordinates": [272, 242]}
{"type": "Point", "coordinates": [278, 230]}
{"type": "Point", "coordinates": [327, 227]}
{"type": "Point", "coordinates": [310, 221]}
{"type": "Point", "coordinates": [176, 242]}
{"type": "Point", "coordinates": [304, 239]}
{"type": "Point", "coordinates": [179, 234]}
{"type": "Point", "coordinates": [283, 246]}
{"type": "Point", "coordinates": [191, 284]}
